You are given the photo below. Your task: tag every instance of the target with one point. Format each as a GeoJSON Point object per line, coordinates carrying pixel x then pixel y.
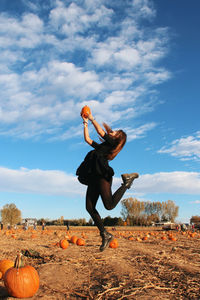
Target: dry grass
{"type": "Point", "coordinates": [143, 269]}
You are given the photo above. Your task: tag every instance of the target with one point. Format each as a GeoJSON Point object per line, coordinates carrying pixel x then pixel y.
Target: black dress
{"type": "Point", "coordinates": [95, 164]}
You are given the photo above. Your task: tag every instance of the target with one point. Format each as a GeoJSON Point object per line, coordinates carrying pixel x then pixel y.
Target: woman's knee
{"type": "Point", "coordinates": [108, 206]}
{"type": "Point", "coordinates": [107, 200]}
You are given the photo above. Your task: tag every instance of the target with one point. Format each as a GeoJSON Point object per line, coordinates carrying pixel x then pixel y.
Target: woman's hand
{"type": "Point", "coordinates": [90, 117]}
{"type": "Point", "coordinates": [84, 119]}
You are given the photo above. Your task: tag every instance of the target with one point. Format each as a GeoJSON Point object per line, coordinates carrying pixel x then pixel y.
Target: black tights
{"type": "Point", "coordinates": [102, 187]}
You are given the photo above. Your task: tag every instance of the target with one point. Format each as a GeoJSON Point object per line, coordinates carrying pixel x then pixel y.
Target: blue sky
{"type": "Point", "coordinates": [135, 63]}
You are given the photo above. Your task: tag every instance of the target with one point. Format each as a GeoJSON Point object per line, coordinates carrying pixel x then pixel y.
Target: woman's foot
{"type": "Point", "coordinates": [128, 179]}
{"type": "Point", "coordinates": [106, 238]}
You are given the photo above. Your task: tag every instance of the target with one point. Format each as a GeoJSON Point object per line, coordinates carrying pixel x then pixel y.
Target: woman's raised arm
{"type": "Point", "coordinates": [86, 132]}
{"type": "Point", "coordinates": [98, 128]}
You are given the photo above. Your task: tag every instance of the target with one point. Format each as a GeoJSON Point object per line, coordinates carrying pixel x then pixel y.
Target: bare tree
{"type": "Point", "coordinates": [10, 214]}
{"type": "Point", "coordinates": [132, 209]}
{"type": "Point", "coordinates": [170, 211]}
{"type": "Point", "coordinates": [137, 212]}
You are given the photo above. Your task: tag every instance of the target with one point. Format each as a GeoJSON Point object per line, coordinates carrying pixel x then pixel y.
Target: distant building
{"type": "Point", "coordinates": [166, 225]}
{"type": "Point", "coordinates": [29, 221]}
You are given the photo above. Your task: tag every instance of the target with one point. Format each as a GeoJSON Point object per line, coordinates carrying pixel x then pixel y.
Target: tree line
{"type": "Point", "coordinates": [107, 221]}
{"type": "Point", "coordinates": [143, 213]}
{"type": "Point", "coordinates": [134, 212]}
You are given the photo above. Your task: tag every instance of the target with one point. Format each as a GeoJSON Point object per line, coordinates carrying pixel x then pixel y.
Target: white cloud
{"type": "Point", "coordinates": [75, 19]}
{"type": "Point", "coordinates": [78, 52]}
{"type": "Point", "coordinates": [55, 182]}
{"type": "Point", "coordinates": [21, 106]}
{"type": "Point", "coordinates": [177, 182]}
{"type": "Point", "coordinates": [127, 58]}
{"type": "Point", "coordinates": [195, 202]}
{"type": "Point", "coordinates": [24, 33]}
{"type": "Point", "coordinates": [101, 56]}
{"type": "Point", "coordinates": [67, 134]}
{"type": "Point", "coordinates": [139, 132]}
{"type": "Point", "coordinates": [144, 8]}
{"type": "Point", "coordinates": [9, 57]}
{"type": "Point", "coordinates": [185, 148]}
{"type": "Point", "coordinates": [158, 76]}
{"type": "Point", "coordinates": [74, 80]}
{"type": "Point", "coordinates": [50, 182]}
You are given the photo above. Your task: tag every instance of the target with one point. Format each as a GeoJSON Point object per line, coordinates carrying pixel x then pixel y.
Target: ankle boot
{"type": "Point", "coordinates": [106, 238]}
{"type": "Point", "coordinates": [128, 179]}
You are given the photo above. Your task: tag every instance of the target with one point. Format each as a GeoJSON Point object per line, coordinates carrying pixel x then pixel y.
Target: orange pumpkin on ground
{"type": "Point", "coordinates": [113, 243]}
{"type": "Point", "coordinates": [85, 111]}
{"type": "Point", "coordinates": [5, 264]}
{"type": "Point", "coordinates": [73, 239]}
{"type": "Point", "coordinates": [80, 242]}
{"type": "Point", "coordinates": [192, 234]}
{"type": "Point", "coordinates": [64, 244]}
{"type": "Point", "coordinates": [21, 281]}
{"type": "Point", "coordinates": [172, 238]}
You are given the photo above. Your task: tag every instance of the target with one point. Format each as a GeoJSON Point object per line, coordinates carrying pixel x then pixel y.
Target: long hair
{"type": "Point", "coordinates": [120, 138]}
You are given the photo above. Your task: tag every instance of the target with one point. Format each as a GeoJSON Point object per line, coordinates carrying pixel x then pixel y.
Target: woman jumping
{"type": "Point", "coordinates": [96, 173]}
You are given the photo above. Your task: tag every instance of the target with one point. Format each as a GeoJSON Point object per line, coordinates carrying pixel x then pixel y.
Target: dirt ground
{"type": "Point", "coordinates": [153, 268]}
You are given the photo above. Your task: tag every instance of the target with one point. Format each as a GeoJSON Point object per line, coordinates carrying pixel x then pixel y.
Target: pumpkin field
{"type": "Point", "coordinates": [145, 263]}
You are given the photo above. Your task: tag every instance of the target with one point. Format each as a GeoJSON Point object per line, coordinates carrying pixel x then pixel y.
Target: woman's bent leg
{"type": "Point", "coordinates": [110, 201]}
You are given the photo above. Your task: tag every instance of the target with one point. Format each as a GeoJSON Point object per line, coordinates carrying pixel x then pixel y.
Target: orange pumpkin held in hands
{"type": "Point", "coordinates": [21, 281]}
{"type": "Point", "coordinates": [85, 111]}
{"type": "Point", "coordinates": [5, 264]}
